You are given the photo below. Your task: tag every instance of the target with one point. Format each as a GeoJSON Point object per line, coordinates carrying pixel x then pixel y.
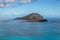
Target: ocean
{"type": "Point", "coordinates": [21, 30]}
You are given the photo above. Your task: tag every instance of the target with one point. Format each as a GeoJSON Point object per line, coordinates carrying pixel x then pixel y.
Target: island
{"type": "Point", "coordinates": [33, 17]}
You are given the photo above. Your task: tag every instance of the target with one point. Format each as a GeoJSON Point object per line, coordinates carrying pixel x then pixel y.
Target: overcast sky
{"type": "Point", "coordinates": [16, 8]}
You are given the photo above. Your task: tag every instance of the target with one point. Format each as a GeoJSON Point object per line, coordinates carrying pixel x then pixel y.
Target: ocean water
{"type": "Point", "coordinates": [20, 30]}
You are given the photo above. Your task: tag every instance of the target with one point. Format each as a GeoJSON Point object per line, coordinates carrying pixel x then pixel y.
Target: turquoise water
{"type": "Point", "coordinates": [20, 30]}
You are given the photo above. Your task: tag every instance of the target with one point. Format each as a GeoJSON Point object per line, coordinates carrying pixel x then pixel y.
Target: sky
{"type": "Point", "coordinates": [18, 8]}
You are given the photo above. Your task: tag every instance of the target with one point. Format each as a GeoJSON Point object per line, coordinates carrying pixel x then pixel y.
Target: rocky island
{"type": "Point", "coordinates": [34, 17]}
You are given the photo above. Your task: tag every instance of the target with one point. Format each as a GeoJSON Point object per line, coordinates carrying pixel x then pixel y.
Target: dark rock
{"type": "Point", "coordinates": [44, 20]}
{"type": "Point", "coordinates": [34, 17]}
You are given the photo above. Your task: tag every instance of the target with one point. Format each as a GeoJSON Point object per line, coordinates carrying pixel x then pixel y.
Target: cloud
{"type": "Point", "coordinates": [7, 0]}
{"type": "Point", "coordinates": [4, 3]}
{"type": "Point", "coordinates": [25, 1]}
{"type": "Point", "coordinates": [0, 0]}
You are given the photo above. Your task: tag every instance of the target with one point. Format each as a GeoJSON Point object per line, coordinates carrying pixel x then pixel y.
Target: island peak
{"type": "Point", "coordinates": [33, 17]}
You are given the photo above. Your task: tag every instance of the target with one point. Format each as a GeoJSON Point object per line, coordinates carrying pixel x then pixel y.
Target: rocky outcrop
{"type": "Point", "coordinates": [34, 17]}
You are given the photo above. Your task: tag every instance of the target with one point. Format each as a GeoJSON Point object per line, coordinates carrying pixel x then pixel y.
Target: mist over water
{"type": "Point", "coordinates": [21, 30]}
